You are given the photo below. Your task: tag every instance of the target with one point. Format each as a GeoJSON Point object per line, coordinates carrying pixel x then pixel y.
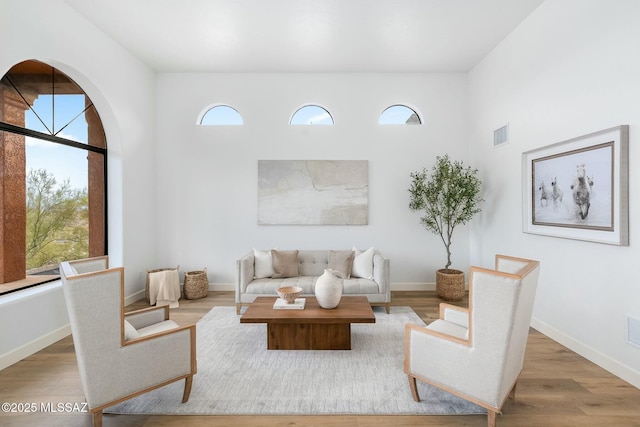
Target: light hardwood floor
{"type": "Point", "coordinates": [557, 387]}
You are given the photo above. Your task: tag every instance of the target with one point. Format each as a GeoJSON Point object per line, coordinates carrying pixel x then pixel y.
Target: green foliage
{"type": "Point", "coordinates": [448, 196]}
{"type": "Point", "coordinates": [57, 221]}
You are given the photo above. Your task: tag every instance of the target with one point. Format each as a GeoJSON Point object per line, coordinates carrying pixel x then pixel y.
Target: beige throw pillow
{"type": "Point", "coordinates": [341, 262]}
{"type": "Point", "coordinates": [285, 263]}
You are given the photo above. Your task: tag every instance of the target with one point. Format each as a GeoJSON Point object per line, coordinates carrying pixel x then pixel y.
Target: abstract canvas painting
{"type": "Point", "coordinates": [313, 192]}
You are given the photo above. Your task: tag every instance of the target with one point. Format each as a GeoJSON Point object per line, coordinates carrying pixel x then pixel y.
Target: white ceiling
{"type": "Point", "coordinates": [307, 35]}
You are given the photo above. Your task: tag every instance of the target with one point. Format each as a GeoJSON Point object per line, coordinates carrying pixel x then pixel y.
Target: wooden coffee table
{"type": "Point", "coordinates": [313, 328]}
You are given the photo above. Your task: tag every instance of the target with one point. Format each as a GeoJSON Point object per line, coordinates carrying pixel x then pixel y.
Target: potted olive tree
{"type": "Point", "coordinates": [449, 196]}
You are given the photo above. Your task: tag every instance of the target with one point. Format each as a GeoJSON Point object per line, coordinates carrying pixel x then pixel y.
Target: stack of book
{"type": "Point", "coordinates": [281, 304]}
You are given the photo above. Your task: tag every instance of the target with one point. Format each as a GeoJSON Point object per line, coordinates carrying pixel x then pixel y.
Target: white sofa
{"type": "Point", "coordinates": [253, 278]}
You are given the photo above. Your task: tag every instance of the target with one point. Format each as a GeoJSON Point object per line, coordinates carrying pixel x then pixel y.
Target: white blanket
{"type": "Point", "coordinates": [164, 288]}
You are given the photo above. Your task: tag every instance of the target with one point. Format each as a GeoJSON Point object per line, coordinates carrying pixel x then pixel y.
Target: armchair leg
{"type": "Point", "coordinates": [414, 388]}
{"type": "Point", "coordinates": [387, 308]}
{"type": "Point", "coordinates": [512, 393]}
{"type": "Point", "coordinates": [238, 307]}
{"type": "Point", "coordinates": [491, 418]}
{"type": "Point", "coordinates": [97, 417]}
{"type": "Point", "coordinates": [187, 388]}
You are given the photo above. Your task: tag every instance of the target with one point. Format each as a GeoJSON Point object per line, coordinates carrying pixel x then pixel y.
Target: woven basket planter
{"type": "Point", "coordinates": [196, 284]}
{"type": "Point", "coordinates": [450, 284]}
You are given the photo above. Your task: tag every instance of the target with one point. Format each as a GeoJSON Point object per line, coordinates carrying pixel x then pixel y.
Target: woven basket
{"type": "Point", "coordinates": [450, 284]}
{"type": "Point", "coordinates": [146, 289]}
{"type": "Point", "coordinates": [196, 284]}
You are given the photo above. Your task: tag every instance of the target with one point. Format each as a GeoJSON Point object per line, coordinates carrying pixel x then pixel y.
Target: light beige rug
{"type": "Point", "coordinates": [238, 375]}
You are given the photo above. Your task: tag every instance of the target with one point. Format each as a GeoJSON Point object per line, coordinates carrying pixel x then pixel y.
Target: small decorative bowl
{"type": "Point", "coordinates": [289, 293]}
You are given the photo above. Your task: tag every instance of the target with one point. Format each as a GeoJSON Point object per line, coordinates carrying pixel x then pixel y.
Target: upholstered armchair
{"type": "Point", "coordinates": [478, 353]}
{"type": "Point", "coordinates": [121, 355]}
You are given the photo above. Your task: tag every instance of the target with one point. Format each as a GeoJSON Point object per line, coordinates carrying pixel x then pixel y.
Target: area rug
{"type": "Point", "coordinates": [237, 375]}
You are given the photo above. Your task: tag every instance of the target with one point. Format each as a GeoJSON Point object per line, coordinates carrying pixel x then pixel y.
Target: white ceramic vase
{"type": "Point", "coordinates": [328, 289]}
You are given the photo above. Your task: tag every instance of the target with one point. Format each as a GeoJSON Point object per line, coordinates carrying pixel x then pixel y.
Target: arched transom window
{"type": "Point", "coordinates": [399, 115]}
{"type": "Point", "coordinates": [311, 115]}
{"type": "Point", "coordinates": [220, 115]}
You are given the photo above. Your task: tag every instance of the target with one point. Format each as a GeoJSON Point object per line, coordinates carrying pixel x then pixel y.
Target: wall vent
{"type": "Point", "coordinates": [501, 136]}
{"type": "Point", "coordinates": [633, 331]}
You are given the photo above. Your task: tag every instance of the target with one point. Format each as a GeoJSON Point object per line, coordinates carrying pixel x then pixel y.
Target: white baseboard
{"type": "Point", "coordinates": [222, 287]}
{"type": "Point", "coordinates": [34, 346]}
{"type": "Point", "coordinates": [624, 372]}
{"type": "Point", "coordinates": [134, 297]}
{"type": "Point", "coordinates": [413, 286]}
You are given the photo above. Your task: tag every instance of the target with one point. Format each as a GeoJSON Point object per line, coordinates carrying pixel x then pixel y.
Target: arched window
{"type": "Point", "coordinates": [54, 159]}
{"type": "Point", "coordinates": [399, 115]}
{"type": "Point", "coordinates": [221, 115]}
{"type": "Point", "coordinates": [311, 115]}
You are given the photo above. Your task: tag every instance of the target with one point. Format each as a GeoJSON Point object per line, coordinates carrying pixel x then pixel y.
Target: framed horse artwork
{"type": "Point", "coordinates": [578, 189]}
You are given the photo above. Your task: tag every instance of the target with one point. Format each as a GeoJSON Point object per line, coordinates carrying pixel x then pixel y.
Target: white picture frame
{"type": "Point", "coordinates": [578, 189]}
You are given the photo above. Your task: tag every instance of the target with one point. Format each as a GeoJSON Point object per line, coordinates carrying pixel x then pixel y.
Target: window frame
{"type": "Point", "coordinates": [207, 109]}
{"type": "Point", "coordinates": [33, 280]}
{"type": "Point", "coordinates": [408, 107]}
{"type": "Point", "coordinates": [333, 121]}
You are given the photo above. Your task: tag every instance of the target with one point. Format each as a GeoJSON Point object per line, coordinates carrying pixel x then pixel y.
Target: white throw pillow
{"type": "Point", "coordinates": [262, 264]}
{"type": "Point", "coordinates": [363, 263]}
{"type": "Point", "coordinates": [129, 331]}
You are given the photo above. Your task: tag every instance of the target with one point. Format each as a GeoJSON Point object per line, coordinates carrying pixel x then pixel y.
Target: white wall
{"type": "Point", "coordinates": [572, 68]}
{"type": "Point", "coordinates": [122, 89]}
{"type": "Point", "coordinates": [207, 175]}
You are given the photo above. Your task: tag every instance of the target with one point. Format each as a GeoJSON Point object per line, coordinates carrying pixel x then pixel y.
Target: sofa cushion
{"type": "Point", "coordinates": [262, 264]}
{"type": "Point", "coordinates": [268, 287]}
{"type": "Point", "coordinates": [363, 263]}
{"type": "Point", "coordinates": [341, 262]}
{"type": "Point", "coordinates": [285, 264]}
